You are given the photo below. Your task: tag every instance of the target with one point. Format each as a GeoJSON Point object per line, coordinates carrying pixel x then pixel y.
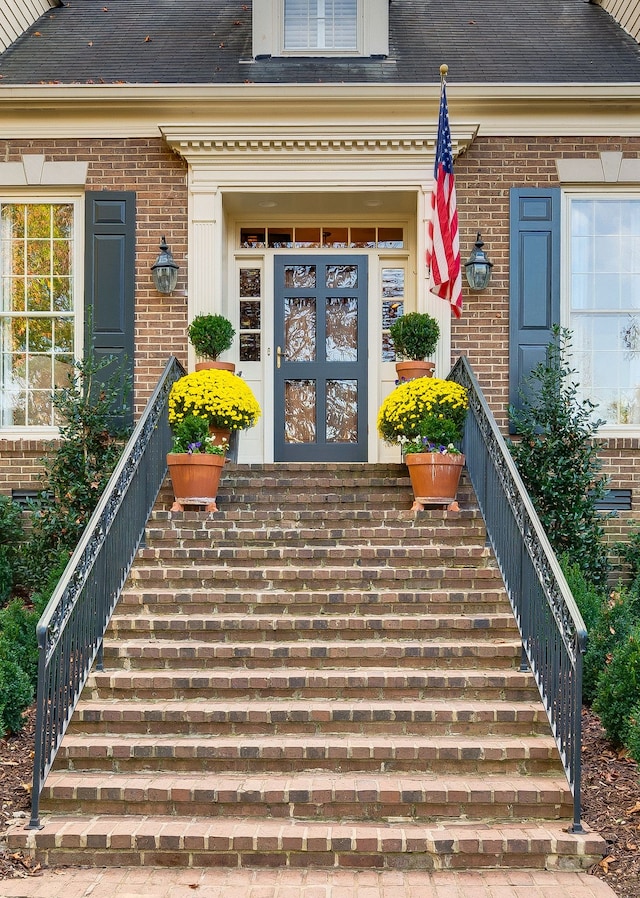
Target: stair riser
{"type": "Point", "coordinates": [417, 857]}
{"type": "Point", "coordinates": [164, 656]}
{"type": "Point", "coordinates": [193, 604]}
{"type": "Point", "coordinates": [317, 558]}
{"type": "Point", "coordinates": [312, 728]}
{"type": "Point", "coordinates": [430, 811]}
{"type": "Point", "coordinates": [219, 630]}
{"type": "Point", "coordinates": [314, 579]}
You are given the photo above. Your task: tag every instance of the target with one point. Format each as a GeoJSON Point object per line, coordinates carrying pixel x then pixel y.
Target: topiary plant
{"type": "Point", "coordinates": [210, 335]}
{"type": "Point", "coordinates": [415, 335]}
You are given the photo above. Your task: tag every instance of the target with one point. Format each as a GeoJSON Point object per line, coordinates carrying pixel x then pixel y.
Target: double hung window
{"type": "Point", "coordinates": [604, 303]}
{"type": "Point", "coordinates": [37, 309]}
{"type": "Point", "coordinates": [320, 25]}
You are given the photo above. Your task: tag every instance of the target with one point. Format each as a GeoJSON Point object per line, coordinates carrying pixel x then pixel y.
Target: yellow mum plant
{"type": "Point", "coordinates": [425, 415]}
{"type": "Point", "coordinates": [222, 398]}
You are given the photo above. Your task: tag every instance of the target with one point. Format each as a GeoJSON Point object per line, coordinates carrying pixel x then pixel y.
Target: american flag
{"type": "Point", "coordinates": [443, 242]}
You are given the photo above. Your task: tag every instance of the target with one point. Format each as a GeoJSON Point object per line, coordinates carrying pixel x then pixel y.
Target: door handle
{"type": "Point", "coordinates": [279, 355]}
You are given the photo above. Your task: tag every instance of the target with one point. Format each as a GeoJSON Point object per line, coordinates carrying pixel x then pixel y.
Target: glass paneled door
{"type": "Point", "coordinates": [321, 358]}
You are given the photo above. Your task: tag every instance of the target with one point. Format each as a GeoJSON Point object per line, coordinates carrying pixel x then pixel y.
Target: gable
{"type": "Point", "coordinates": [626, 13]}
{"type": "Point", "coordinates": [17, 16]}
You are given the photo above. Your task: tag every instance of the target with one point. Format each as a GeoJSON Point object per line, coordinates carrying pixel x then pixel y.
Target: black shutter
{"type": "Point", "coordinates": [534, 280]}
{"type": "Point", "coordinates": [110, 280]}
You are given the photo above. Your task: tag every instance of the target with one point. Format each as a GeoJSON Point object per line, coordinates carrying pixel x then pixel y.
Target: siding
{"type": "Point", "coordinates": [18, 15]}
{"type": "Point", "coordinates": [626, 13]}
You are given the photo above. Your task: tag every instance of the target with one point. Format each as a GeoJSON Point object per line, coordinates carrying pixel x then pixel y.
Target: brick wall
{"type": "Point", "coordinates": [158, 177]}
{"type": "Point", "coordinates": [484, 176]}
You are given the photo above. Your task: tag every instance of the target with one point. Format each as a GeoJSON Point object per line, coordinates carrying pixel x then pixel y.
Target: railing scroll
{"type": "Point", "coordinates": [552, 630]}
{"type": "Point", "coordinates": [71, 629]}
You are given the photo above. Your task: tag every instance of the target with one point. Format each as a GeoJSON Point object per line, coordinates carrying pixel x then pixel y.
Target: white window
{"type": "Point", "coordinates": [320, 24]}
{"type": "Point", "coordinates": [320, 28]}
{"type": "Point", "coordinates": [604, 303]}
{"type": "Point", "coordinates": [38, 330]}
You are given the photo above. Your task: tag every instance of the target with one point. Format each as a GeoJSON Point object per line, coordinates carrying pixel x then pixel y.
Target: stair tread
{"type": "Point", "coordinates": [382, 835]}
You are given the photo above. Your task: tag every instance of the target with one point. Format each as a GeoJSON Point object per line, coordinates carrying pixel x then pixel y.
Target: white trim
{"type": "Point", "coordinates": [35, 171]}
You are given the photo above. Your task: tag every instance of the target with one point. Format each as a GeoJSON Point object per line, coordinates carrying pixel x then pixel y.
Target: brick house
{"type": "Point", "coordinates": [272, 140]}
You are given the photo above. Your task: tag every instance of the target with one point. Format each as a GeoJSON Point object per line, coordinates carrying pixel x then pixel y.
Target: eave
{"type": "Point", "coordinates": [133, 110]}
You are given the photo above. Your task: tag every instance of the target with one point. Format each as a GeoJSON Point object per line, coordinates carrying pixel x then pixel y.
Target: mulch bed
{"type": "Point", "coordinates": [610, 796]}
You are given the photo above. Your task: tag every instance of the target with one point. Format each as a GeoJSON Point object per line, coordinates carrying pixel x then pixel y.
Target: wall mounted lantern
{"type": "Point", "coordinates": [165, 270]}
{"type": "Point", "coordinates": [478, 267]}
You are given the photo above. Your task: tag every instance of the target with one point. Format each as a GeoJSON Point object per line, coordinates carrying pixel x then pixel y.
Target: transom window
{"type": "Point", "coordinates": [605, 304]}
{"type": "Point", "coordinates": [37, 322]}
{"type": "Point", "coordinates": [320, 24]}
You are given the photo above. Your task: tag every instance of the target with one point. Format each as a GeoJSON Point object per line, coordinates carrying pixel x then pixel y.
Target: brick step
{"type": "Point", "coordinates": [202, 601]}
{"type": "Point", "coordinates": [311, 795]}
{"type": "Point", "coordinates": [178, 654]}
{"type": "Point", "coordinates": [241, 842]}
{"type": "Point", "coordinates": [262, 754]}
{"type": "Point", "coordinates": [316, 557]}
{"type": "Point", "coordinates": [328, 577]}
{"type": "Point", "coordinates": [311, 717]}
{"type": "Point", "coordinates": [241, 628]}
{"type": "Point", "coordinates": [344, 683]}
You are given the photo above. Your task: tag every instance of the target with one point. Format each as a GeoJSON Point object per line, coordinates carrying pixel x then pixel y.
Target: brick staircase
{"type": "Point", "coordinates": [314, 676]}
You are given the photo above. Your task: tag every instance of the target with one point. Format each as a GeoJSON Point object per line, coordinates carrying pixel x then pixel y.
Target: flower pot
{"type": "Point", "coordinates": [411, 369]}
{"type": "Point", "coordinates": [220, 436]}
{"type": "Point", "coordinates": [434, 478]}
{"type": "Point", "coordinates": [221, 366]}
{"type": "Point", "coordinates": [195, 478]}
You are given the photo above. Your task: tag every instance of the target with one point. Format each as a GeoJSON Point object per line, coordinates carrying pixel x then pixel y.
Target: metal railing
{"type": "Point", "coordinates": [553, 633]}
{"type": "Point", "coordinates": [71, 630]}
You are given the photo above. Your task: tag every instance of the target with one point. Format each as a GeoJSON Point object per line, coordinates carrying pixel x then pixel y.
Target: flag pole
{"type": "Point", "coordinates": [444, 69]}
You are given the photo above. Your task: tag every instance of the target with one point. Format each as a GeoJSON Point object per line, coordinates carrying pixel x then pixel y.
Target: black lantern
{"type": "Point", "coordinates": [165, 270]}
{"type": "Point", "coordinates": [478, 267]}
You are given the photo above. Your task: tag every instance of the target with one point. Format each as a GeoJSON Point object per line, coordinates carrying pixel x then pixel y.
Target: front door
{"type": "Point", "coordinates": [321, 358]}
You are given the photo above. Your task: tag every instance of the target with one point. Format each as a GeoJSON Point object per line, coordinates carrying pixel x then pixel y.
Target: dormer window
{"type": "Point", "coordinates": [320, 25]}
{"type": "Point", "coordinates": [320, 28]}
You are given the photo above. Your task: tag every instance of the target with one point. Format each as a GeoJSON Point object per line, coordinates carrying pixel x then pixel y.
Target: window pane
{"type": "Point", "coordinates": [320, 24]}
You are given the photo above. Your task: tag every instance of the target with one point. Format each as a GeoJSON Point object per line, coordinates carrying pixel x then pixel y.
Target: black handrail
{"type": "Point", "coordinates": [72, 627]}
{"type": "Point", "coordinates": [553, 633]}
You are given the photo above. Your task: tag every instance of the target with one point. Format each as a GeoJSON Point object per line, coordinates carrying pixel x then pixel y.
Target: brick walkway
{"type": "Point", "coordinates": [161, 883]}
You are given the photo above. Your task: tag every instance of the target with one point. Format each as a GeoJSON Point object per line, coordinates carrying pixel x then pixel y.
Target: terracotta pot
{"type": "Point", "coordinates": [434, 478]}
{"type": "Point", "coordinates": [220, 436]}
{"type": "Point", "coordinates": [195, 479]}
{"type": "Point", "coordinates": [411, 369]}
{"type": "Point", "coordinates": [221, 366]}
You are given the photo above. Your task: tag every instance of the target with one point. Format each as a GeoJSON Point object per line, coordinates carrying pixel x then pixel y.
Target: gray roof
{"type": "Point", "coordinates": [209, 42]}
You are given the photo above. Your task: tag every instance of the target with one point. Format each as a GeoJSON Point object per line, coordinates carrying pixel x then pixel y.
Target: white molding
{"type": "Point", "coordinates": [342, 144]}
{"type": "Point", "coordinates": [35, 171]}
{"type": "Point", "coordinates": [126, 111]}
{"type": "Point", "coordinates": [608, 168]}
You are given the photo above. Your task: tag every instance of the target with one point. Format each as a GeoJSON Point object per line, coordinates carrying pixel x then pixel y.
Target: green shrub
{"type": "Point", "coordinates": [415, 335]}
{"type": "Point", "coordinates": [629, 552]}
{"type": "Point", "coordinates": [11, 546]}
{"type": "Point", "coordinates": [633, 737]}
{"type": "Point", "coordinates": [210, 335]}
{"type": "Point", "coordinates": [590, 599]}
{"type": "Point", "coordinates": [16, 694]}
{"type": "Point", "coordinates": [619, 688]}
{"type": "Point", "coordinates": [618, 617]}
{"type": "Point", "coordinates": [79, 469]}
{"type": "Point", "coordinates": [558, 461]}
